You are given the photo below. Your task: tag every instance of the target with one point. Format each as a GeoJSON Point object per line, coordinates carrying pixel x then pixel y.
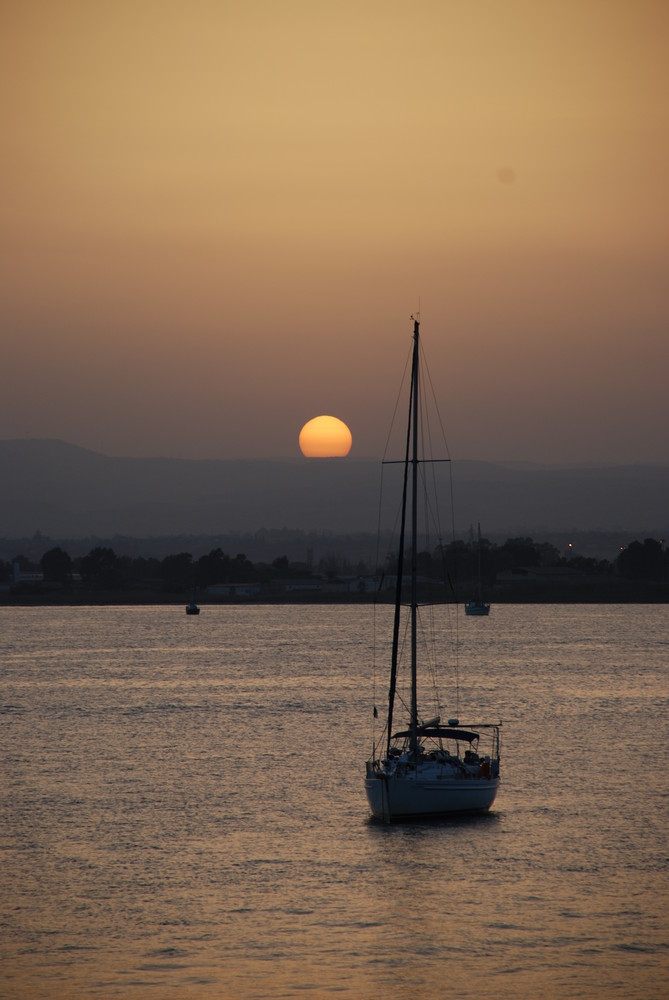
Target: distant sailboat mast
{"type": "Point", "coordinates": [479, 606]}
{"type": "Point", "coordinates": [480, 592]}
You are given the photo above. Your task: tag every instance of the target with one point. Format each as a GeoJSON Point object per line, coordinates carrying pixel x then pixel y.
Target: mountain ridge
{"type": "Point", "coordinates": [64, 490]}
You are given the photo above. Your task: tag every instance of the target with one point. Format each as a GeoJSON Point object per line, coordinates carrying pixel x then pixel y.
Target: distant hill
{"type": "Point", "coordinates": [65, 491]}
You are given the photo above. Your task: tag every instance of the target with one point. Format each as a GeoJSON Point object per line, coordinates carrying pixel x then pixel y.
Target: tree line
{"type": "Point", "coordinates": [103, 569]}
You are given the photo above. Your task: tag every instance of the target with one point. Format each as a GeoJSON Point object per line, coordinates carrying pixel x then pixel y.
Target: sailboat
{"type": "Point", "coordinates": [426, 769]}
{"type": "Point", "coordinates": [192, 608]}
{"type": "Point", "coordinates": [479, 606]}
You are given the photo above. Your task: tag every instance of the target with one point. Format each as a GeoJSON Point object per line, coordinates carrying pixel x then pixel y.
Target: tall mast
{"type": "Point", "coordinates": [480, 592]}
{"type": "Point", "coordinates": [410, 459]}
{"type": "Point", "coordinates": [414, 545]}
{"type": "Point", "coordinates": [400, 574]}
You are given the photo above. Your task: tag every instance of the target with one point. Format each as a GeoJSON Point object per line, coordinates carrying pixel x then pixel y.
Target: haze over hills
{"type": "Point", "coordinates": [64, 491]}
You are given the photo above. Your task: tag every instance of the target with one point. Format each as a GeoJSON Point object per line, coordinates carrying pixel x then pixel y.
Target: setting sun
{"type": "Point", "coordinates": [325, 437]}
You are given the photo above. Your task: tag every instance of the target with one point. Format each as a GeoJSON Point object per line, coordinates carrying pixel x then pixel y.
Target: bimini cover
{"type": "Point", "coordinates": [440, 733]}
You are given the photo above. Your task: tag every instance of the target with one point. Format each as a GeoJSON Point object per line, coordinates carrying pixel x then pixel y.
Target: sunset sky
{"type": "Point", "coordinates": [218, 216]}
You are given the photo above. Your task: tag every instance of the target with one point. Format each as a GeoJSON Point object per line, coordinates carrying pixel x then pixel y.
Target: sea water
{"type": "Point", "coordinates": [183, 810]}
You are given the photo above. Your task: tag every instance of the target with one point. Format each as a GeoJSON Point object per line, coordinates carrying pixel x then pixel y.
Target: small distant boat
{"type": "Point", "coordinates": [479, 606]}
{"type": "Point", "coordinates": [427, 769]}
{"type": "Point", "coordinates": [192, 607]}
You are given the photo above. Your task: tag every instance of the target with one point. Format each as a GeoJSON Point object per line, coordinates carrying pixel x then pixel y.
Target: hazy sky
{"type": "Point", "coordinates": [218, 215]}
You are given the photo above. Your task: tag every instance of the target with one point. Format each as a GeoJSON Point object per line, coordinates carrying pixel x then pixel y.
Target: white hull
{"type": "Point", "coordinates": [407, 797]}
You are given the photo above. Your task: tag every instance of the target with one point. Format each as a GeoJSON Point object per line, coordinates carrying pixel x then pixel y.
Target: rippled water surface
{"type": "Point", "coordinates": [183, 812]}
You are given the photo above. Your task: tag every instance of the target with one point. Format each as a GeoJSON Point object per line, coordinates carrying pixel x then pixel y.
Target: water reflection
{"type": "Point", "coordinates": [184, 811]}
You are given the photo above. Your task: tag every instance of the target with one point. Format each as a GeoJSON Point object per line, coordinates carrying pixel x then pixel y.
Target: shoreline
{"type": "Point", "coordinates": [596, 594]}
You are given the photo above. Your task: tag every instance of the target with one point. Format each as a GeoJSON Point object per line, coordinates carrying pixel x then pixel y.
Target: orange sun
{"type": "Point", "coordinates": [325, 437]}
